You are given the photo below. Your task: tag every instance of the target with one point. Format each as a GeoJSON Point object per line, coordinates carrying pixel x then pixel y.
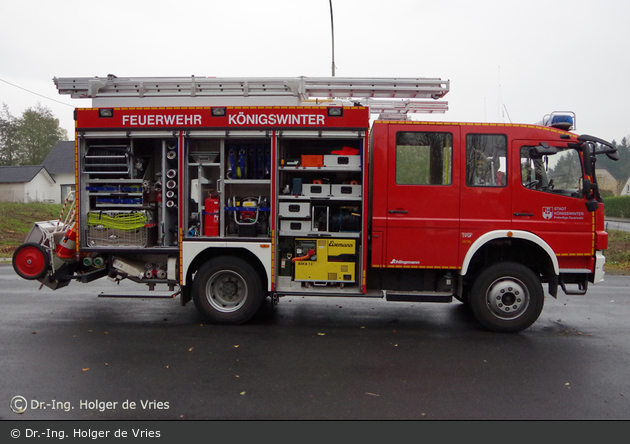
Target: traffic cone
{"type": "Point", "coordinates": [67, 247]}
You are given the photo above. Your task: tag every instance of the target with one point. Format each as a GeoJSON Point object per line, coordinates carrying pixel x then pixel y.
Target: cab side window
{"type": "Point", "coordinates": [424, 158]}
{"type": "Point", "coordinates": [559, 173]}
{"type": "Point", "coordinates": [486, 160]}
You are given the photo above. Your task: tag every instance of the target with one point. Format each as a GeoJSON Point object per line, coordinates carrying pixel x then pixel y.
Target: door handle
{"type": "Point", "coordinates": [398, 211]}
{"type": "Point", "coordinates": [524, 214]}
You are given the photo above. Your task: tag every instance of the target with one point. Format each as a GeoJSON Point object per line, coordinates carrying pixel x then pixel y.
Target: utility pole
{"type": "Point", "coordinates": [332, 30]}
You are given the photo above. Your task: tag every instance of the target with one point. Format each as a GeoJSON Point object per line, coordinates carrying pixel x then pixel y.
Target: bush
{"type": "Point", "coordinates": [617, 206]}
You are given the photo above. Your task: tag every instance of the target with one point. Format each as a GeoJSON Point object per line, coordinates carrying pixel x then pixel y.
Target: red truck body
{"type": "Point", "coordinates": [227, 205]}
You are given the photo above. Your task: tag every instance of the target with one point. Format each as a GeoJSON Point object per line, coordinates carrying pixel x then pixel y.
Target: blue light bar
{"type": "Point", "coordinates": [561, 120]}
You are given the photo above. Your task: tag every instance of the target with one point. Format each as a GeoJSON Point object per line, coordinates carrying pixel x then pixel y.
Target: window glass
{"type": "Point", "coordinates": [424, 158]}
{"type": "Point", "coordinates": [559, 173]}
{"type": "Point", "coordinates": [486, 160]}
{"type": "Point", "coordinates": [65, 189]}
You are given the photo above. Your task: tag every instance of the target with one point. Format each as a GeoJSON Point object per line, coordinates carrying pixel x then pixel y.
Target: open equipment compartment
{"type": "Point", "coordinates": [124, 182]}
{"type": "Point", "coordinates": [320, 203]}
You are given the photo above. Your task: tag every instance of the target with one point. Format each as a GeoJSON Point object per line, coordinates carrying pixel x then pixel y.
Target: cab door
{"type": "Point", "coordinates": [422, 196]}
{"type": "Point", "coordinates": [549, 201]}
{"type": "Point", "coordinates": [486, 193]}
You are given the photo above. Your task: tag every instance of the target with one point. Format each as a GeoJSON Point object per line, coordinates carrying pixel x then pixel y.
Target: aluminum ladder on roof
{"type": "Point", "coordinates": [409, 94]}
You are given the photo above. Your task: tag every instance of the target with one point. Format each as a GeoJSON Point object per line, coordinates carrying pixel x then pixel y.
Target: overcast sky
{"type": "Point", "coordinates": [506, 60]}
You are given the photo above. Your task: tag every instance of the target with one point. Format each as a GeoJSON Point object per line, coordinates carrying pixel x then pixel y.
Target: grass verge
{"type": "Point", "coordinates": [16, 220]}
{"type": "Point", "coordinates": [618, 253]}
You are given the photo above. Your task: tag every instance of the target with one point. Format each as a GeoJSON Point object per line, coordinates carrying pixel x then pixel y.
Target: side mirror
{"type": "Point", "coordinates": [613, 155]}
{"type": "Point", "coordinates": [590, 189]}
{"type": "Point", "coordinates": [611, 151]}
{"type": "Point", "coordinates": [588, 162]}
{"type": "Point", "coordinates": [591, 206]}
{"type": "Point", "coordinates": [589, 193]}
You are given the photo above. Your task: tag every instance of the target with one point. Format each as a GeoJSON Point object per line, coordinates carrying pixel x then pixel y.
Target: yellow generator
{"type": "Point", "coordinates": [325, 260]}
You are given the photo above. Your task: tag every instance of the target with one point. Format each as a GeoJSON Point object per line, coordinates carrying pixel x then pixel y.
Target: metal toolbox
{"type": "Point", "coordinates": [315, 189]}
{"type": "Point", "coordinates": [334, 160]}
{"type": "Point", "coordinates": [295, 226]}
{"type": "Point", "coordinates": [295, 209]}
{"type": "Point", "coordinates": [346, 190]}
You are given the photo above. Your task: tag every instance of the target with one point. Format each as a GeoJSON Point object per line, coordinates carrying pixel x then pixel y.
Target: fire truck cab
{"type": "Point", "coordinates": [485, 213]}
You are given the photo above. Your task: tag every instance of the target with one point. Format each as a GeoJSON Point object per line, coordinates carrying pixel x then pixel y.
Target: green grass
{"type": "Point", "coordinates": [16, 220]}
{"type": "Point", "coordinates": [618, 253]}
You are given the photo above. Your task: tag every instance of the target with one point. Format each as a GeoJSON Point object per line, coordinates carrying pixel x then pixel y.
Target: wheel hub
{"type": "Point", "coordinates": [229, 289]}
{"type": "Point", "coordinates": [507, 298]}
{"type": "Point", "coordinates": [226, 291]}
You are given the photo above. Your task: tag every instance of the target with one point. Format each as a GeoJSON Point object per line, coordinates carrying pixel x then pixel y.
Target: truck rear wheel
{"type": "Point", "coordinates": [31, 261]}
{"type": "Point", "coordinates": [227, 290]}
{"type": "Point", "coordinates": [507, 297]}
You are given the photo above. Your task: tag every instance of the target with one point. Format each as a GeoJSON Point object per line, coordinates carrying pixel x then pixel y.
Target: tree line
{"type": "Point", "coordinates": [620, 169]}
{"type": "Point", "coordinates": [28, 139]}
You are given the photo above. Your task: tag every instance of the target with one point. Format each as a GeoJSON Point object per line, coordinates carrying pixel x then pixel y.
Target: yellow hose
{"type": "Point", "coordinates": [122, 221]}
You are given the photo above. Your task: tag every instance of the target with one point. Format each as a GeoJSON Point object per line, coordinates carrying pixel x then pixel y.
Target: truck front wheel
{"type": "Point", "coordinates": [227, 290]}
{"type": "Point", "coordinates": [507, 297]}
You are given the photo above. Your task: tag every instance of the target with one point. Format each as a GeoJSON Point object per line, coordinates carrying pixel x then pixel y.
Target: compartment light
{"type": "Point", "coordinates": [335, 112]}
{"type": "Point", "coordinates": [106, 112]}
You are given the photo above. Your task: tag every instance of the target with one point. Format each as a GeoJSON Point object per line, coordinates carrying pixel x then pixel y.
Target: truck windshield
{"type": "Point", "coordinates": [559, 173]}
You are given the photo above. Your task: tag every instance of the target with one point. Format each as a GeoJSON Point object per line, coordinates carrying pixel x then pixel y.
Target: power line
{"type": "Point", "coordinates": [24, 89]}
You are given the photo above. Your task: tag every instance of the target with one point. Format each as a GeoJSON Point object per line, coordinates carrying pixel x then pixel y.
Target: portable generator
{"type": "Point", "coordinates": [323, 261]}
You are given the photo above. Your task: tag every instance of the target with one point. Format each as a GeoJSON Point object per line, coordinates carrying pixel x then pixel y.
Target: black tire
{"type": "Point", "coordinates": [227, 290]}
{"type": "Point", "coordinates": [31, 261]}
{"type": "Point", "coordinates": [507, 297]}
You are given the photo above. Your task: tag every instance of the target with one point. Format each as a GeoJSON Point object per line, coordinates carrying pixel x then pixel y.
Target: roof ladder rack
{"type": "Point", "coordinates": [391, 95]}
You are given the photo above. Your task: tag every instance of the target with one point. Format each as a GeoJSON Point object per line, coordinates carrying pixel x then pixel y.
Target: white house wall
{"type": "Point", "coordinates": [12, 192]}
{"type": "Point", "coordinates": [40, 189]}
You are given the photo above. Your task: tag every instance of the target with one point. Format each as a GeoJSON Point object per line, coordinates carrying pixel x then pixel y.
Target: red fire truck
{"type": "Point", "coordinates": [228, 191]}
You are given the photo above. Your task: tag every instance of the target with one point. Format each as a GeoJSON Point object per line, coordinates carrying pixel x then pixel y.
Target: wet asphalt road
{"type": "Point", "coordinates": [311, 358]}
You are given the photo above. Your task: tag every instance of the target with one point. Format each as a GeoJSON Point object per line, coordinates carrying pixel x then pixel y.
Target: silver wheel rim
{"type": "Point", "coordinates": [507, 298]}
{"type": "Point", "coordinates": [226, 291]}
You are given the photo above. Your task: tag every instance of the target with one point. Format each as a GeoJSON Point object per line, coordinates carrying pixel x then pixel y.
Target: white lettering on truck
{"type": "Point", "coordinates": [276, 119]}
{"type": "Point", "coordinates": [561, 213]}
{"type": "Point", "coordinates": [399, 262]}
{"type": "Point", "coordinates": [161, 119]}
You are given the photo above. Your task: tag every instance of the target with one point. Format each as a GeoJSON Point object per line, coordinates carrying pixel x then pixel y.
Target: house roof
{"type": "Point", "coordinates": [60, 160]}
{"type": "Point", "coordinates": [21, 174]}
{"type": "Point", "coordinates": [604, 171]}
